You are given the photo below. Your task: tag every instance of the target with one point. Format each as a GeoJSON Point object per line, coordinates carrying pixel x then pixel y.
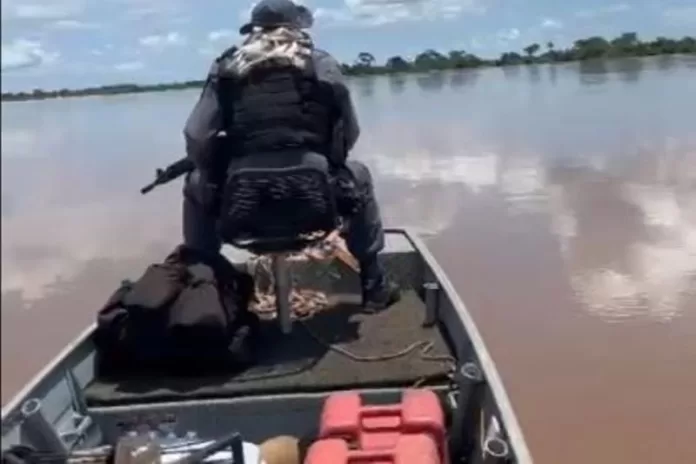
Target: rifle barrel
{"type": "Point", "coordinates": [170, 173]}
{"type": "Point", "coordinates": [148, 187]}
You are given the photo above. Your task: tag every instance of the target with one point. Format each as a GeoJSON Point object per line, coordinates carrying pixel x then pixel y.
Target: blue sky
{"type": "Point", "coordinates": [76, 43]}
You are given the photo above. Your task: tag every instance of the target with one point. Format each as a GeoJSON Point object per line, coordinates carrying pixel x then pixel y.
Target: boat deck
{"type": "Point", "coordinates": [299, 362]}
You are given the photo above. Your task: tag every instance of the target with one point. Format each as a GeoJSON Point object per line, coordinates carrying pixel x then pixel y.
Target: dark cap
{"type": "Point", "coordinates": [278, 13]}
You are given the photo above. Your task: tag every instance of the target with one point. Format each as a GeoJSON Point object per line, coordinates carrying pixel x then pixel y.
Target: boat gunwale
{"type": "Point", "coordinates": [493, 379]}
{"type": "Point", "coordinates": [36, 381]}
{"type": "Point", "coordinates": [239, 400]}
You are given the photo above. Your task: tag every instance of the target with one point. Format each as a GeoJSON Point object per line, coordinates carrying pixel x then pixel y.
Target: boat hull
{"type": "Point", "coordinates": [485, 420]}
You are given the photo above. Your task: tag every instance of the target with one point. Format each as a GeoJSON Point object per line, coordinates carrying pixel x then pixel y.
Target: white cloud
{"type": "Point", "coordinates": [22, 53]}
{"type": "Point", "coordinates": [163, 40]}
{"type": "Point", "coordinates": [215, 37]}
{"type": "Point", "coordinates": [152, 9]}
{"type": "Point", "coordinates": [41, 10]}
{"type": "Point", "coordinates": [129, 66]}
{"type": "Point", "coordinates": [616, 8]}
{"type": "Point", "coordinates": [221, 34]}
{"type": "Point", "coordinates": [550, 23]}
{"type": "Point", "coordinates": [379, 12]}
{"type": "Point", "coordinates": [609, 9]}
{"type": "Point", "coordinates": [73, 24]}
{"type": "Point", "coordinates": [332, 15]}
{"type": "Point", "coordinates": [102, 50]}
{"type": "Point", "coordinates": [686, 14]}
{"type": "Point", "coordinates": [508, 35]}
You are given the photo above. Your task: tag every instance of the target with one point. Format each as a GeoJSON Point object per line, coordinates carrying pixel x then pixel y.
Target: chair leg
{"type": "Point", "coordinates": [283, 285]}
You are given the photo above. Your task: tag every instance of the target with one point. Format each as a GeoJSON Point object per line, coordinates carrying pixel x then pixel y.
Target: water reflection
{"type": "Point", "coordinates": [629, 69]}
{"type": "Point", "coordinates": [365, 86]}
{"type": "Point", "coordinates": [552, 70]}
{"type": "Point", "coordinates": [665, 62]}
{"type": "Point", "coordinates": [551, 217]}
{"type": "Point", "coordinates": [397, 83]}
{"type": "Point", "coordinates": [463, 78]}
{"type": "Point", "coordinates": [626, 232]}
{"type": "Point", "coordinates": [54, 178]}
{"type": "Point", "coordinates": [431, 82]}
{"type": "Point", "coordinates": [593, 72]}
{"type": "Point", "coordinates": [8, 205]}
{"type": "Point", "coordinates": [511, 72]}
{"type": "Point", "coordinates": [688, 61]}
{"type": "Point", "coordinates": [534, 72]}
{"type": "Point", "coordinates": [645, 263]}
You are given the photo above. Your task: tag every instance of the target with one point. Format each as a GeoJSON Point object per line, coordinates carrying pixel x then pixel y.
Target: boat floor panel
{"type": "Point", "coordinates": [298, 362]}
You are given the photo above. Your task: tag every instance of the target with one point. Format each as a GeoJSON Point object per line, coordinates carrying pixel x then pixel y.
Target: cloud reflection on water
{"type": "Point", "coordinates": [630, 243]}
{"type": "Point", "coordinates": [67, 203]}
{"type": "Point", "coordinates": [644, 234]}
{"type": "Point", "coordinates": [632, 256]}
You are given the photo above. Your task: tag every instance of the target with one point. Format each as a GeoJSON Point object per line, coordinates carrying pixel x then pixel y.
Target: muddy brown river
{"type": "Point", "coordinates": [560, 200]}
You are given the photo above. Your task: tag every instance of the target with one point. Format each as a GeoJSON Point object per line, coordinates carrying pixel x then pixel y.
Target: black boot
{"type": "Point", "coordinates": [378, 292]}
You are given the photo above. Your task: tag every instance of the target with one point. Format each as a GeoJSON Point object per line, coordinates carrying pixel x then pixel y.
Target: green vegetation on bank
{"type": "Point", "coordinates": [626, 45]}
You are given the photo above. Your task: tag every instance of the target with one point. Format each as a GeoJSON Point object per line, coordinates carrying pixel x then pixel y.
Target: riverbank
{"type": "Point", "coordinates": [593, 48]}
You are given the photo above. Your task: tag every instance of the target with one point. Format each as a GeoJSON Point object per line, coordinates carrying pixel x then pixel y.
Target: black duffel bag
{"type": "Point", "coordinates": [187, 315]}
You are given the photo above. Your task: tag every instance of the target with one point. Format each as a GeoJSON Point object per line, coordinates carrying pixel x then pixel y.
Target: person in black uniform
{"type": "Point", "coordinates": [272, 115]}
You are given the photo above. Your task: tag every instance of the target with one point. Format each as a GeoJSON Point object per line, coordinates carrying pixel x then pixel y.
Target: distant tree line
{"type": "Point", "coordinates": [626, 45]}
{"type": "Point", "coordinates": [116, 89]}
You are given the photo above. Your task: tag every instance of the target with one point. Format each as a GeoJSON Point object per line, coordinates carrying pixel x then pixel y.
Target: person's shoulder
{"type": "Point", "coordinates": [218, 64]}
{"type": "Point", "coordinates": [323, 56]}
{"type": "Point", "coordinates": [327, 67]}
{"type": "Point", "coordinates": [227, 53]}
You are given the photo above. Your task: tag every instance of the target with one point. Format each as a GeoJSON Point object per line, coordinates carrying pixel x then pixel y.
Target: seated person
{"type": "Point", "coordinates": [297, 106]}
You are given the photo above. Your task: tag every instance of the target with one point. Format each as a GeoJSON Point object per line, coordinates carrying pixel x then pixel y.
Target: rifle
{"type": "Point", "coordinates": [170, 173]}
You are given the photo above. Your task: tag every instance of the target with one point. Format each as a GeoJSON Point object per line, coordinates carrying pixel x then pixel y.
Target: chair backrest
{"type": "Point", "coordinates": [277, 209]}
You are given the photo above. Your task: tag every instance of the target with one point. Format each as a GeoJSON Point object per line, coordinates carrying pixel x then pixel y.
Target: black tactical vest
{"type": "Point", "coordinates": [277, 108]}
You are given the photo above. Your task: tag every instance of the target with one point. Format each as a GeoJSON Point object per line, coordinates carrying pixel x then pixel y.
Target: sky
{"type": "Point", "coordinates": [52, 44]}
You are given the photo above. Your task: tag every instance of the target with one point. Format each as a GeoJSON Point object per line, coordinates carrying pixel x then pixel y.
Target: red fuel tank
{"type": "Point", "coordinates": [373, 427]}
{"type": "Point", "coordinates": [408, 449]}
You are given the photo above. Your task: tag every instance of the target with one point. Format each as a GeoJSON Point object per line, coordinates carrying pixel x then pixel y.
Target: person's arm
{"type": "Point", "coordinates": [328, 70]}
{"type": "Point", "coordinates": [204, 123]}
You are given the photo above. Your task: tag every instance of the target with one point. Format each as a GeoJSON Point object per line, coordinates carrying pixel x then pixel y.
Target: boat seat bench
{"type": "Point", "coordinates": [297, 362]}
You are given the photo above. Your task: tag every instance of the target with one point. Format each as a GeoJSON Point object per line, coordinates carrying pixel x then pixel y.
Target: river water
{"type": "Point", "coordinates": [561, 201]}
